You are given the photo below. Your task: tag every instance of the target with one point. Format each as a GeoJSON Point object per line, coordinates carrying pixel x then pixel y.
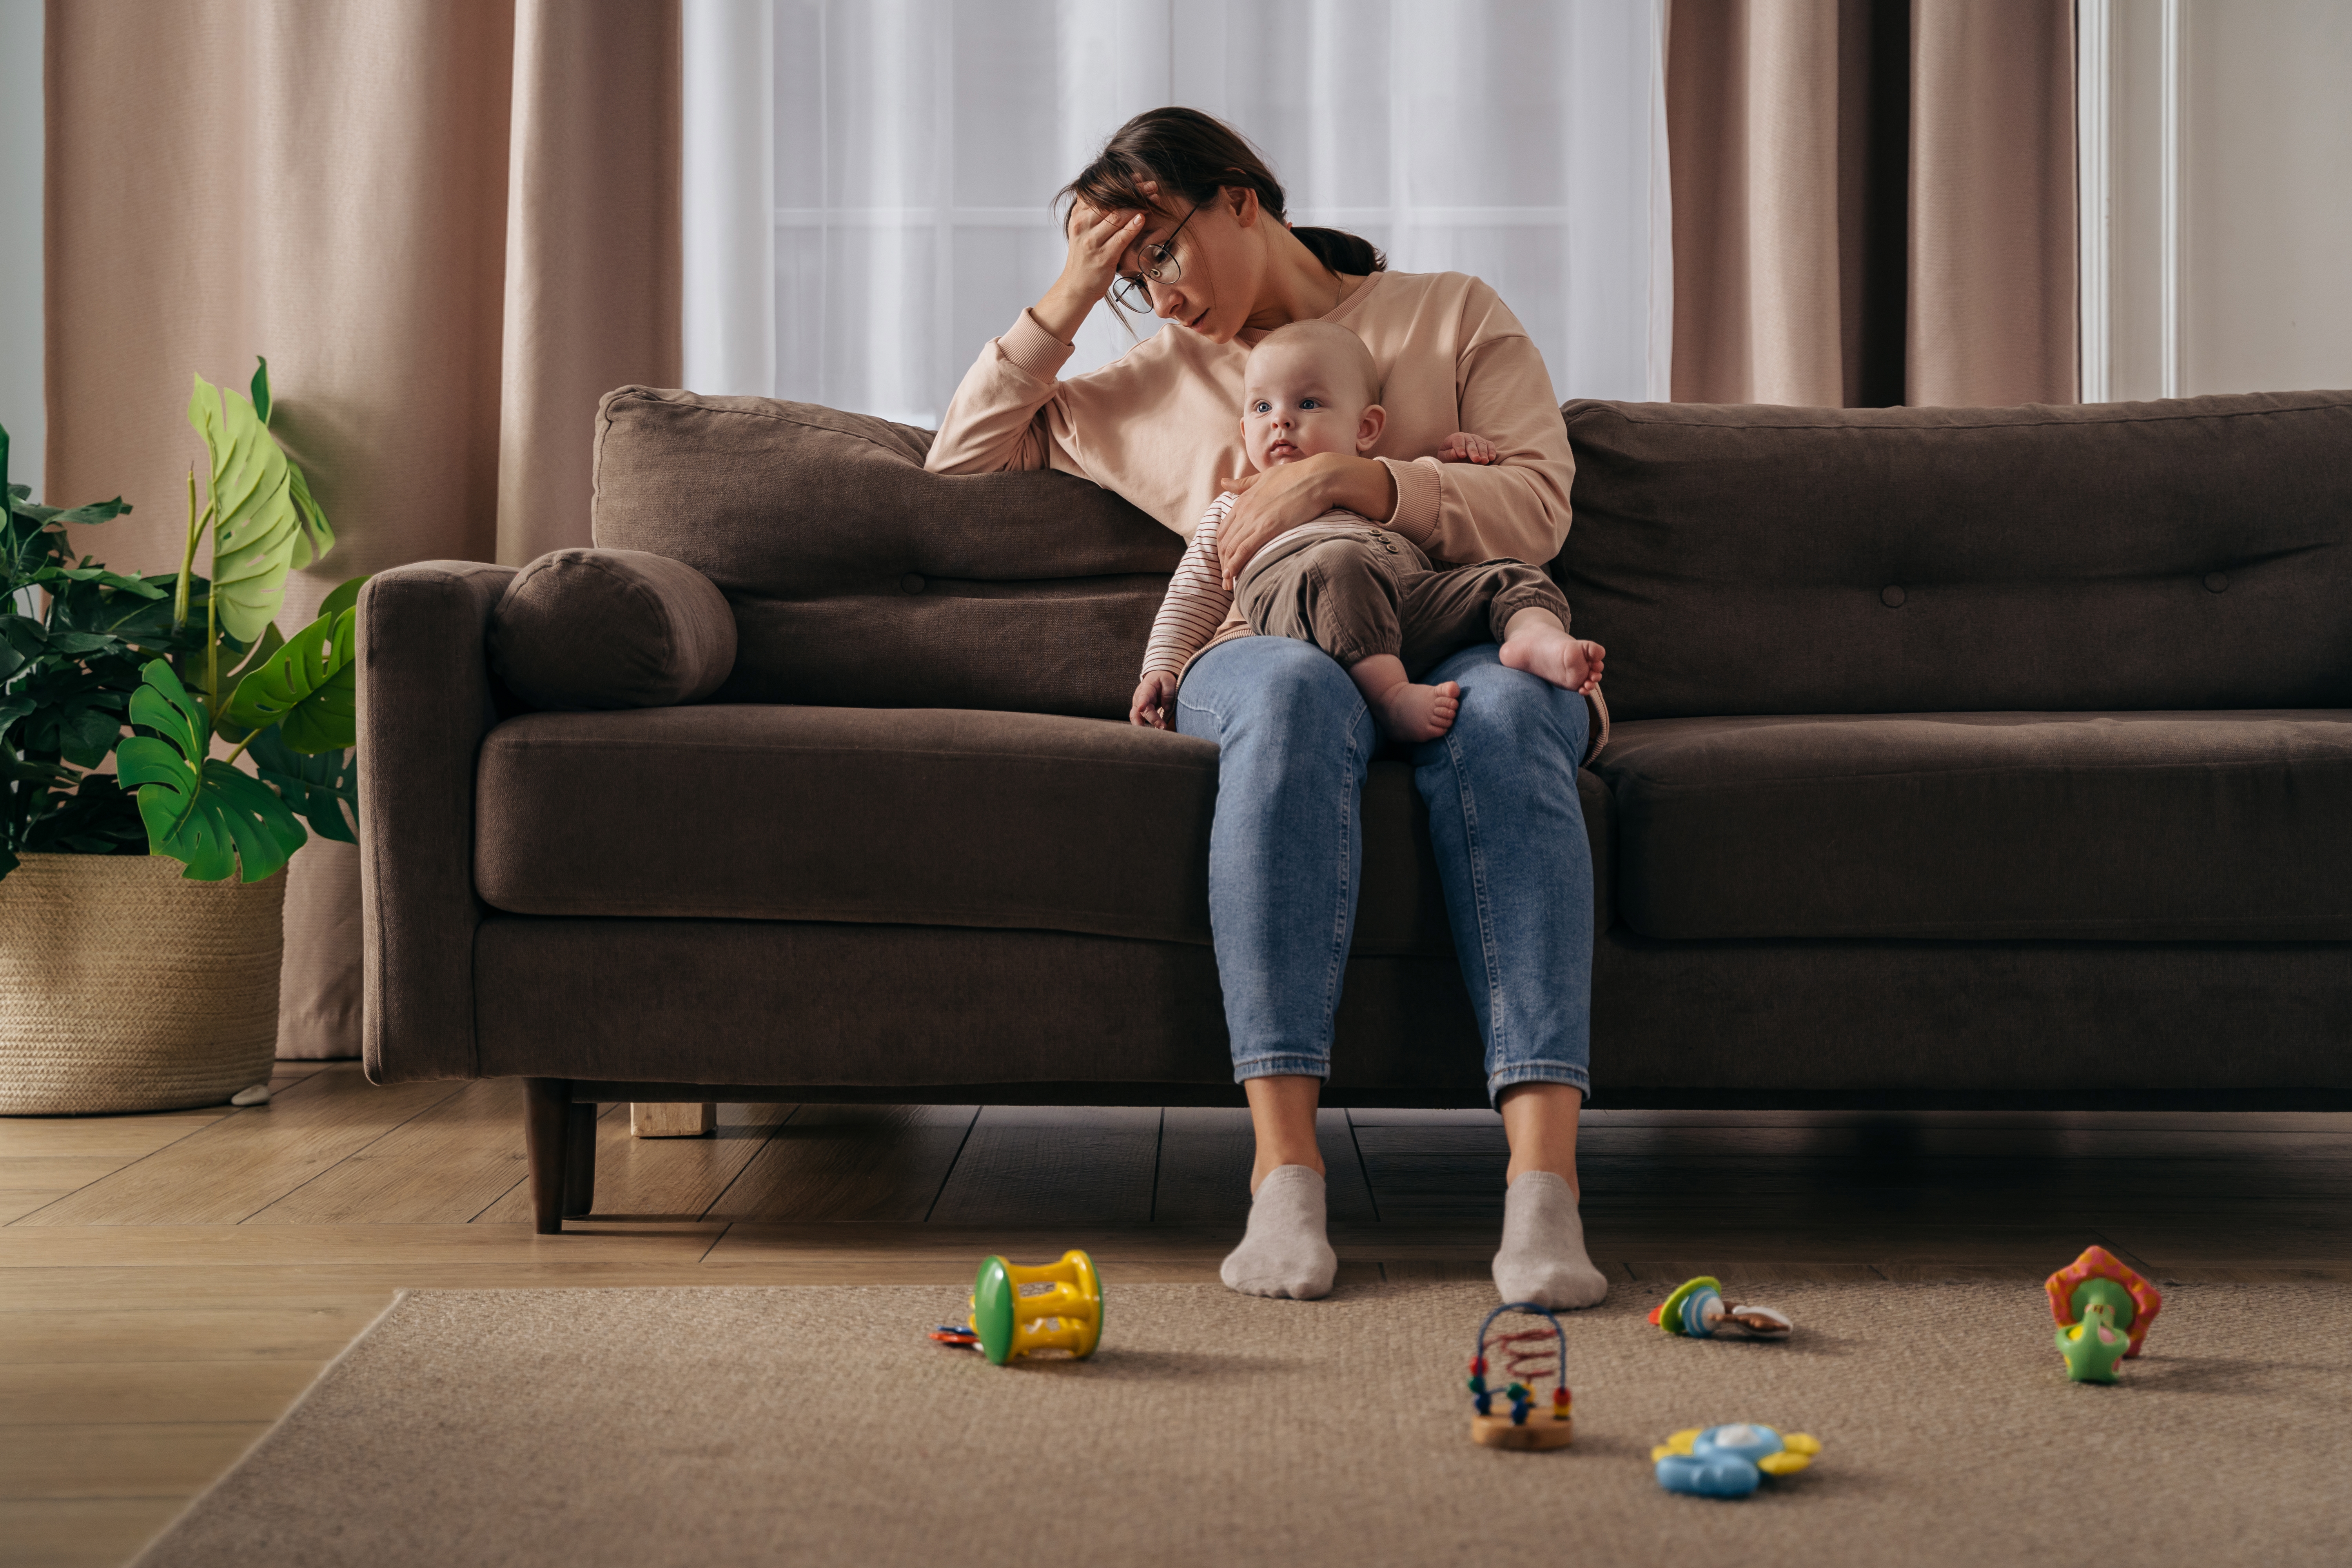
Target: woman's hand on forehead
{"type": "Point", "coordinates": [1099, 242]}
{"type": "Point", "coordinates": [1083, 213]}
{"type": "Point", "coordinates": [1153, 218]}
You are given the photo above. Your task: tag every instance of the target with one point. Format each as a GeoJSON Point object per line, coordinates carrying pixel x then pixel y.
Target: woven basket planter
{"type": "Point", "coordinates": [123, 986]}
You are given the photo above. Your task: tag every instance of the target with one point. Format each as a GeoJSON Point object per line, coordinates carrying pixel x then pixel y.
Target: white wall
{"type": "Point", "coordinates": [20, 240]}
{"type": "Point", "coordinates": [2268, 267]}
{"type": "Point", "coordinates": [2263, 121]}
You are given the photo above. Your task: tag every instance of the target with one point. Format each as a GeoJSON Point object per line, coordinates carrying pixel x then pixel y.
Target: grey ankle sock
{"type": "Point", "coordinates": [1542, 1258]}
{"type": "Point", "coordinates": [1284, 1251]}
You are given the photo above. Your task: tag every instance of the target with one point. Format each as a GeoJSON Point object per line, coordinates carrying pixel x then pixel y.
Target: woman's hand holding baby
{"type": "Point", "coordinates": [1278, 499]}
{"type": "Point", "coordinates": [1155, 700]}
{"type": "Point", "coordinates": [1273, 503]}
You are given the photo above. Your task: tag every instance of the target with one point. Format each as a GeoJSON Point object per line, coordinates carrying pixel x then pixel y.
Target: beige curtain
{"type": "Point", "coordinates": [451, 225]}
{"type": "Point", "coordinates": [1873, 200]}
{"type": "Point", "coordinates": [592, 255]}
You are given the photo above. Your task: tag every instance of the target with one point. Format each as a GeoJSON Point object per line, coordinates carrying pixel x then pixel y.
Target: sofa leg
{"type": "Point", "coordinates": [680, 1118]}
{"type": "Point", "coordinates": [580, 1162]}
{"type": "Point", "coordinates": [547, 1125]}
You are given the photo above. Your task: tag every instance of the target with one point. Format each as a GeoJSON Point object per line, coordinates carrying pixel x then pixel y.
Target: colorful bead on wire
{"type": "Point", "coordinates": [1527, 1357]}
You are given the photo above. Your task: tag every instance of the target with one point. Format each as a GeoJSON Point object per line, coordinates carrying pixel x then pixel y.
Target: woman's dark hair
{"type": "Point", "coordinates": [1193, 156]}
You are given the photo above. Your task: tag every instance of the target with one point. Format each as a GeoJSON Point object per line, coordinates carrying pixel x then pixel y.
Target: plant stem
{"type": "Point", "coordinates": [241, 745]}
{"type": "Point", "coordinates": [211, 651]}
{"type": "Point", "coordinates": [188, 554]}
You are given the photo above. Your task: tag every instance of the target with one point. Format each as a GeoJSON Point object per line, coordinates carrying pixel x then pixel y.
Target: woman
{"type": "Point", "coordinates": [1181, 216]}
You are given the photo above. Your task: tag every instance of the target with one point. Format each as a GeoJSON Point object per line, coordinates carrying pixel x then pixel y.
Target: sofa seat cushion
{"type": "Point", "coordinates": [908, 816]}
{"type": "Point", "coordinates": [2149, 826]}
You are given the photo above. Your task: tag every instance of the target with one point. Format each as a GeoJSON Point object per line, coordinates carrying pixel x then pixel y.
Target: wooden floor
{"type": "Point", "coordinates": [170, 1283]}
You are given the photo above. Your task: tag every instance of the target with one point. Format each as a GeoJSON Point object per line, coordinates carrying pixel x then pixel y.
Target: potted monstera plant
{"type": "Point", "coordinates": [161, 747]}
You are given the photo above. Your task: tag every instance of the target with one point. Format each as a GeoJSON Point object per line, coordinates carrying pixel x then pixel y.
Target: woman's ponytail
{"type": "Point", "coordinates": [1341, 251]}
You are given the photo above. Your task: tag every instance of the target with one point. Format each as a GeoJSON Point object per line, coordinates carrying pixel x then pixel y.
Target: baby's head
{"type": "Point", "coordinates": [1311, 387]}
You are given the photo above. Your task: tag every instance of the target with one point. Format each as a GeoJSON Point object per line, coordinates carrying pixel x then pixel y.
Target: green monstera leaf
{"type": "Point", "coordinates": [19, 500]}
{"type": "Point", "coordinates": [96, 511]}
{"type": "Point", "coordinates": [257, 531]}
{"type": "Point", "coordinates": [325, 789]}
{"type": "Point", "coordinates": [197, 809]}
{"type": "Point", "coordinates": [313, 516]}
{"type": "Point", "coordinates": [139, 587]}
{"type": "Point", "coordinates": [309, 687]}
{"type": "Point", "coordinates": [346, 596]}
{"type": "Point", "coordinates": [316, 535]}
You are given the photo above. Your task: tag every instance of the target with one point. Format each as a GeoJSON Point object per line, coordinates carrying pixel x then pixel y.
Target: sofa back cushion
{"type": "Point", "coordinates": [2195, 554]}
{"type": "Point", "coordinates": [859, 580]}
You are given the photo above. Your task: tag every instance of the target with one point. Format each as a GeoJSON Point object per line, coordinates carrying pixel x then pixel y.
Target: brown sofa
{"type": "Point", "coordinates": [1962, 758]}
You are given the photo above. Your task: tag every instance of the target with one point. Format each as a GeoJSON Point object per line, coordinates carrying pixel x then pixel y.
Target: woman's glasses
{"type": "Point", "coordinates": [1132, 291]}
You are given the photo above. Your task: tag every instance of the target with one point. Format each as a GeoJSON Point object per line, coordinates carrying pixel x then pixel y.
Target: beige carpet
{"type": "Point", "coordinates": [735, 1425]}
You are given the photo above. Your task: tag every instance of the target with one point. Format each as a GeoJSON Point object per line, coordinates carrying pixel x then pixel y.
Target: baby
{"type": "Point", "coordinates": [1360, 592]}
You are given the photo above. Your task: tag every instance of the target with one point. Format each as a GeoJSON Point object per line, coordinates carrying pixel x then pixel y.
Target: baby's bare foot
{"type": "Point", "coordinates": [1409, 712]}
{"type": "Point", "coordinates": [1551, 653]}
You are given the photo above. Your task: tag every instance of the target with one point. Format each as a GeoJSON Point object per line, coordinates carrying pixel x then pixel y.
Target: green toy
{"type": "Point", "coordinates": [1697, 1310]}
{"type": "Point", "coordinates": [1052, 1309]}
{"type": "Point", "coordinates": [2103, 1309]}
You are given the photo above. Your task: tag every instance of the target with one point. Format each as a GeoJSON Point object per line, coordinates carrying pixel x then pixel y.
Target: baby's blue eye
{"type": "Point", "coordinates": [1310, 403]}
{"type": "Point", "coordinates": [1260, 406]}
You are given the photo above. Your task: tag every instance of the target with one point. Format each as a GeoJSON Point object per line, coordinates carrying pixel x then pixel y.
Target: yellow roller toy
{"type": "Point", "coordinates": [1053, 1307]}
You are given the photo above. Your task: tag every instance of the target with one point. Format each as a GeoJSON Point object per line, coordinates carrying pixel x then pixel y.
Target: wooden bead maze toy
{"type": "Point", "coordinates": [1527, 1357]}
{"type": "Point", "coordinates": [1053, 1308]}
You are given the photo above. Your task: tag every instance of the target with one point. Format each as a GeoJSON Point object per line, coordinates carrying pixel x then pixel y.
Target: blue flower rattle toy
{"type": "Point", "coordinates": [1729, 1461]}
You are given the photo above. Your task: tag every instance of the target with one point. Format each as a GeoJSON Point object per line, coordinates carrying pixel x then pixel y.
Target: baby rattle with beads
{"type": "Point", "coordinates": [1045, 1309]}
{"type": "Point", "coordinates": [1526, 1355]}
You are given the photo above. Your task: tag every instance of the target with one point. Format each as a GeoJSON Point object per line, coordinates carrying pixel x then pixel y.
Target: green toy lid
{"type": "Point", "coordinates": [993, 1315]}
{"type": "Point", "coordinates": [1670, 1316]}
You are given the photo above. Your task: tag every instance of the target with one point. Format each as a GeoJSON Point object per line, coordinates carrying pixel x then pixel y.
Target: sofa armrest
{"type": "Point", "coordinates": [425, 701]}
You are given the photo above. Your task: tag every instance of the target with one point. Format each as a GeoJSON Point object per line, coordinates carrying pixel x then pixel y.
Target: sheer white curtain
{"type": "Point", "coordinates": [914, 147]}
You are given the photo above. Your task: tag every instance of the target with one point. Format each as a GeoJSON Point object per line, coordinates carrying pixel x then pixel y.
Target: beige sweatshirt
{"type": "Point", "coordinates": [1161, 424]}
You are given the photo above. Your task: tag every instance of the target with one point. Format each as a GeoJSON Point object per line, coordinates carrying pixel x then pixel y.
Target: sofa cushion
{"type": "Point", "coordinates": [1023, 1017]}
{"type": "Point", "coordinates": [2190, 554]}
{"type": "Point", "coordinates": [910, 817]}
{"type": "Point", "coordinates": [2213, 827]}
{"type": "Point", "coordinates": [927, 1013]}
{"type": "Point", "coordinates": [611, 628]}
{"type": "Point", "coordinates": [860, 579]}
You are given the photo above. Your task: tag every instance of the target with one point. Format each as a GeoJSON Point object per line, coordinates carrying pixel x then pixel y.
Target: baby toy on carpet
{"type": "Point", "coordinates": [1729, 1461]}
{"type": "Point", "coordinates": [2103, 1309]}
{"type": "Point", "coordinates": [1528, 1356]}
{"type": "Point", "coordinates": [1052, 1309]}
{"type": "Point", "coordinates": [1697, 1310]}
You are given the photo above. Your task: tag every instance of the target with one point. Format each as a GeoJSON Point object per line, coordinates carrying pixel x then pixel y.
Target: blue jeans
{"type": "Point", "coordinates": [1286, 853]}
